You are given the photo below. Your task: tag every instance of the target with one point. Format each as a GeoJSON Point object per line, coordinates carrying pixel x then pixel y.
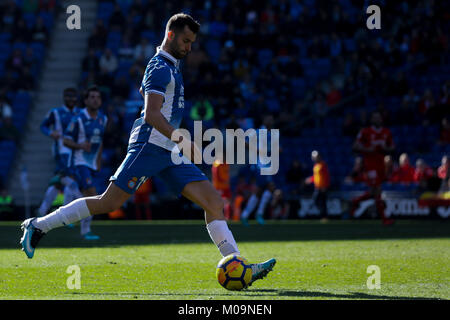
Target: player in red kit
{"type": "Point", "coordinates": [373, 143]}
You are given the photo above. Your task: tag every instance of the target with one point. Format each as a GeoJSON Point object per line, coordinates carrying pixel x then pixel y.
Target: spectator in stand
{"type": "Point", "coordinates": [47, 5]}
{"type": "Point", "coordinates": [295, 176]}
{"type": "Point", "coordinates": [426, 106]}
{"type": "Point", "coordinates": [405, 172]}
{"type": "Point", "coordinates": [144, 50]}
{"type": "Point", "coordinates": [202, 110]}
{"type": "Point", "coordinates": [30, 59]}
{"type": "Point", "coordinates": [6, 203]}
{"type": "Point", "coordinates": [90, 62]}
{"type": "Point", "coordinates": [321, 181]}
{"type": "Point", "coordinates": [444, 136]}
{"type": "Point", "coordinates": [97, 40]}
{"type": "Point", "coordinates": [422, 173]}
{"type": "Point", "coordinates": [30, 6]}
{"type": "Point", "coordinates": [15, 62]}
{"type": "Point", "coordinates": [26, 80]}
{"type": "Point", "coordinates": [10, 13]}
{"type": "Point", "coordinates": [108, 65]}
{"type": "Point", "coordinates": [411, 99]}
{"type": "Point", "coordinates": [390, 167]}
{"type": "Point", "coordinates": [444, 170]}
{"type": "Point", "coordinates": [21, 33]}
{"type": "Point", "coordinates": [444, 97]}
{"type": "Point", "coordinates": [333, 96]}
{"type": "Point", "coordinates": [8, 131]}
{"type": "Point", "coordinates": [5, 109]}
{"type": "Point", "coordinates": [335, 45]}
{"type": "Point", "coordinates": [9, 81]}
{"type": "Point", "coordinates": [40, 32]}
{"type": "Point", "coordinates": [241, 194]}
{"type": "Point", "coordinates": [358, 174]}
{"type": "Point", "coordinates": [117, 19]}
{"type": "Point", "coordinates": [126, 49]}
{"type": "Point", "coordinates": [221, 182]}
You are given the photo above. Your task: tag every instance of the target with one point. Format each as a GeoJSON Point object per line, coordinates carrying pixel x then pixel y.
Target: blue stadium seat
{"type": "Point", "coordinates": [213, 48]}
{"type": "Point", "coordinates": [22, 46]}
{"type": "Point", "coordinates": [30, 19]}
{"type": "Point", "coordinates": [298, 87]}
{"type": "Point", "coordinates": [149, 35]}
{"type": "Point", "coordinates": [38, 50]}
{"type": "Point", "coordinates": [350, 44]}
{"type": "Point", "coordinates": [264, 57]}
{"type": "Point", "coordinates": [124, 5]}
{"type": "Point", "coordinates": [48, 19]}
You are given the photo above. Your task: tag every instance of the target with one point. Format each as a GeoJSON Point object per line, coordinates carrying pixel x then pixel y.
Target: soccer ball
{"type": "Point", "coordinates": [234, 272]}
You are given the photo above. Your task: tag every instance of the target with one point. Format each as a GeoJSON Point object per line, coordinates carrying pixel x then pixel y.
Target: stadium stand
{"type": "Point", "coordinates": [23, 26]}
{"type": "Point", "coordinates": [327, 71]}
{"type": "Point", "coordinates": [311, 64]}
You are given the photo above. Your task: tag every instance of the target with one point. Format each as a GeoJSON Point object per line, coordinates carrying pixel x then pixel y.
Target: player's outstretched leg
{"type": "Point", "coordinates": [203, 194]}
{"type": "Point", "coordinates": [35, 228]}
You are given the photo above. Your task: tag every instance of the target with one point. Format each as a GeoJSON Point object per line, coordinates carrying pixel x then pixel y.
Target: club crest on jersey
{"type": "Point", "coordinates": [132, 182]}
{"type": "Point", "coordinates": [71, 126]}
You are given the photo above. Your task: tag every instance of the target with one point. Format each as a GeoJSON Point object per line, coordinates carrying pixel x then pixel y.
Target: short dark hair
{"type": "Point", "coordinates": [92, 88]}
{"type": "Point", "coordinates": [178, 21]}
{"type": "Point", "coordinates": [69, 90]}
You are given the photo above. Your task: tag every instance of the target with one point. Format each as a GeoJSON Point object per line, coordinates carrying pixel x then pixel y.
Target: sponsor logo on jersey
{"type": "Point", "coordinates": [132, 182]}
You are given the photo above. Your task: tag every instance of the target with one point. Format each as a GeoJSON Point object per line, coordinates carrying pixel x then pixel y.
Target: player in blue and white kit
{"type": "Point", "coordinates": [53, 126]}
{"type": "Point", "coordinates": [149, 153]}
{"type": "Point", "coordinates": [84, 135]}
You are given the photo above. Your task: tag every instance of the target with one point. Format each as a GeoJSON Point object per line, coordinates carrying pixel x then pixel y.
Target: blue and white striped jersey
{"type": "Point", "coordinates": [162, 76]}
{"type": "Point", "coordinates": [83, 128]}
{"type": "Point", "coordinates": [58, 119]}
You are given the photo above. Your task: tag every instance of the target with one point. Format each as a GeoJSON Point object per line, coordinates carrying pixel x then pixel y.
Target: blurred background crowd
{"type": "Point", "coordinates": [310, 68]}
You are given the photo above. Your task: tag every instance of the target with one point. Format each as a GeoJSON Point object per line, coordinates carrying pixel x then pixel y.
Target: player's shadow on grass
{"type": "Point", "coordinates": [302, 295]}
{"type": "Point", "coordinates": [328, 295]}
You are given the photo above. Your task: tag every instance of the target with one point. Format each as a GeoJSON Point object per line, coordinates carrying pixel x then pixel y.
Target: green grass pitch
{"type": "Point", "coordinates": [176, 260]}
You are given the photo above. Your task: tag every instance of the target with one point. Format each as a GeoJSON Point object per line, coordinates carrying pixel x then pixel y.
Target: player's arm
{"type": "Point", "coordinates": [47, 124]}
{"type": "Point", "coordinates": [360, 143]}
{"type": "Point", "coordinates": [70, 137]}
{"type": "Point", "coordinates": [153, 115]}
{"type": "Point", "coordinates": [154, 87]}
